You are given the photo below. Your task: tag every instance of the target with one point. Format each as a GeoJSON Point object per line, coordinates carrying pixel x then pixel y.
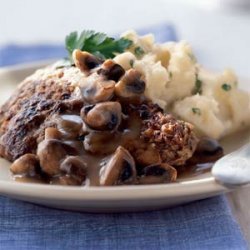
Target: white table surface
{"type": "Point", "coordinates": [220, 37]}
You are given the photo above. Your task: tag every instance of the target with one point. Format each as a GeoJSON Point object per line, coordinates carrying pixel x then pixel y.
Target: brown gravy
{"type": "Point", "coordinates": [69, 124]}
{"type": "Point", "coordinates": [94, 168]}
{"type": "Point", "coordinates": [194, 170]}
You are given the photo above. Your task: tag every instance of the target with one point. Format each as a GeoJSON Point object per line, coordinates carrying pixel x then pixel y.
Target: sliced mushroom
{"type": "Point", "coordinates": [74, 166]}
{"type": "Point", "coordinates": [51, 153]}
{"type": "Point", "coordinates": [131, 85]}
{"type": "Point", "coordinates": [52, 133]}
{"type": "Point", "coordinates": [94, 142]}
{"type": "Point", "coordinates": [97, 89]}
{"type": "Point", "coordinates": [162, 173]}
{"type": "Point", "coordinates": [118, 169]}
{"type": "Point", "coordinates": [27, 164]}
{"type": "Point", "coordinates": [208, 150]}
{"type": "Point", "coordinates": [209, 146]}
{"type": "Point", "coordinates": [85, 61]}
{"type": "Point", "coordinates": [111, 70]}
{"type": "Point", "coordinates": [102, 116]}
{"type": "Point", "coordinates": [70, 126]}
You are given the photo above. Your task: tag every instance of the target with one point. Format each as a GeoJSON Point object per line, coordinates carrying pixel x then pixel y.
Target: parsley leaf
{"type": "Point", "coordinates": [196, 111]}
{"type": "Point", "coordinates": [198, 86]}
{"type": "Point", "coordinates": [96, 43]}
{"type": "Point", "coordinates": [226, 86]}
{"type": "Point", "coordinates": [139, 51]}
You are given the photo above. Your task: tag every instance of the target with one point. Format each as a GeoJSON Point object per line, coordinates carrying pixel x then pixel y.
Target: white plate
{"type": "Point", "coordinates": [108, 199]}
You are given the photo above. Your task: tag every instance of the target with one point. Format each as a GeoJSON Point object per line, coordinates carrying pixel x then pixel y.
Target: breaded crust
{"type": "Point", "coordinates": [27, 113]}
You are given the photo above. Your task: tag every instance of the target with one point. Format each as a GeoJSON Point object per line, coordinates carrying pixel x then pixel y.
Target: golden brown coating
{"type": "Point", "coordinates": [25, 115]}
{"type": "Point", "coordinates": [174, 139]}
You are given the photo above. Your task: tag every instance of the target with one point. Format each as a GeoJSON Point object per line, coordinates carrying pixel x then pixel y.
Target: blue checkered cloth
{"type": "Point", "coordinates": [206, 224]}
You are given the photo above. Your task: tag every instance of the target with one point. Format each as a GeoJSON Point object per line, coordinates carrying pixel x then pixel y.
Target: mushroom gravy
{"type": "Point", "coordinates": [93, 178]}
{"type": "Point", "coordinates": [69, 127]}
{"type": "Point", "coordinates": [207, 152]}
{"type": "Point", "coordinates": [110, 135]}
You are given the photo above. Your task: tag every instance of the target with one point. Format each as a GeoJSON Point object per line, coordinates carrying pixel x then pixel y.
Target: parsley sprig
{"type": "Point", "coordinates": [196, 111]}
{"type": "Point", "coordinates": [139, 52]}
{"type": "Point", "coordinates": [198, 86]}
{"type": "Point", "coordinates": [226, 86]}
{"type": "Point", "coordinates": [96, 43]}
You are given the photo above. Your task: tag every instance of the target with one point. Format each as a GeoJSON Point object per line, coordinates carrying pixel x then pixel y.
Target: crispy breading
{"type": "Point", "coordinates": [27, 113]}
{"type": "Point", "coordinates": [174, 139]}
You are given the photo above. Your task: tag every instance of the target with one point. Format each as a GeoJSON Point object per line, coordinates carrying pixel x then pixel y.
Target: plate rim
{"type": "Point", "coordinates": [186, 188]}
{"type": "Point", "coordinates": [189, 187]}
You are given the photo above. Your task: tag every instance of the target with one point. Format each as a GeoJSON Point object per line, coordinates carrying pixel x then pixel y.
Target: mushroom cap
{"type": "Point", "coordinates": [52, 133]}
{"type": "Point", "coordinates": [27, 164]}
{"type": "Point", "coordinates": [94, 142]}
{"type": "Point", "coordinates": [85, 61]}
{"type": "Point", "coordinates": [70, 126]}
{"type": "Point", "coordinates": [51, 153]}
{"type": "Point", "coordinates": [102, 116]}
{"type": "Point", "coordinates": [111, 70]}
{"type": "Point", "coordinates": [208, 146]}
{"type": "Point", "coordinates": [131, 85]}
{"type": "Point", "coordinates": [208, 150]}
{"type": "Point", "coordinates": [96, 89]}
{"type": "Point", "coordinates": [162, 173]}
{"type": "Point", "coordinates": [118, 169]}
{"type": "Point", "coordinates": [75, 166]}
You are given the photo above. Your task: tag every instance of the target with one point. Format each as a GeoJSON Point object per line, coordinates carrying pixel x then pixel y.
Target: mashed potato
{"type": "Point", "coordinates": [174, 80]}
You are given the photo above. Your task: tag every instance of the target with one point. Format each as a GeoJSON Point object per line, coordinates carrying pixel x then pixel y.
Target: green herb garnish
{"type": "Point", "coordinates": [170, 75]}
{"type": "Point", "coordinates": [139, 51]}
{"type": "Point", "coordinates": [196, 111]}
{"type": "Point", "coordinates": [131, 63]}
{"type": "Point", "coordinates": [96, 43]}
{"type": "Point", "coordinates": [226, 86]}
{"type": "Point", "coordinates": [198, 86]}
